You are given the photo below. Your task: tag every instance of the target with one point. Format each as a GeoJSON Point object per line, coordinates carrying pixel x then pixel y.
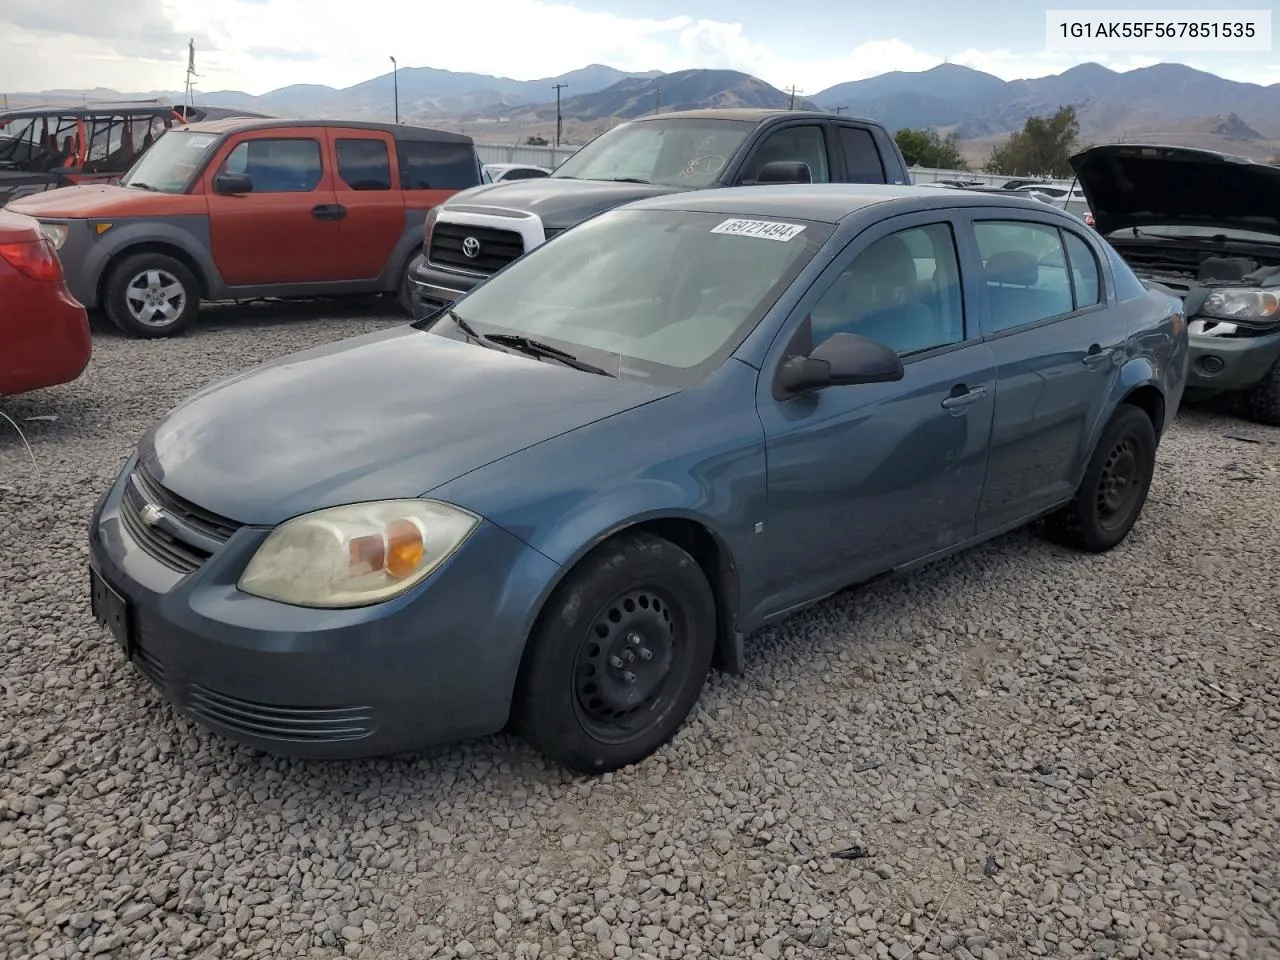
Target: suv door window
{"type": "Point", "coordinates": [1025, 272]}
{"type": "Point", "coordinates": [278, 166]}
{"type": "Point", "coordinates": [862, 162]}
{"type": "Point", "coordinates": [437, 165]}
{"type": "Point", "coordinates": [364, 164]}
{"type": "Point", "coordinates": [805, 143]}
{"type": "Point", "coordinates": [903, 291]}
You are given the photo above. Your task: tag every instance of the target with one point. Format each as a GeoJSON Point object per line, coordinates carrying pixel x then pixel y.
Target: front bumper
{"type": "Point", "coordinates": [1231, 363]}
{"type": "Point", "coordinates": [436, 665]}
{"type": "Point", "coordinates": [431, 288]}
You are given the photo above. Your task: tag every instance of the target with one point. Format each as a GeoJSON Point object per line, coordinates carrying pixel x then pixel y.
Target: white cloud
{"type": "Point", "coordinates": [258, 45]}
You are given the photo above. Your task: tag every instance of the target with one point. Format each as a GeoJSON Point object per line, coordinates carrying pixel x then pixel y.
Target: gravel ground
{"type": "Point", "coordinates": [1019, 752]}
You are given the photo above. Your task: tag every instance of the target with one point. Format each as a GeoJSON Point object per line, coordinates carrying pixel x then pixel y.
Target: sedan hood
{"type": "Point", "coordinates": [1131, 185]}
{"type": "Point", "coordinates": [559, 201]}
{"type": "Point", "coordinates": [391, 414]}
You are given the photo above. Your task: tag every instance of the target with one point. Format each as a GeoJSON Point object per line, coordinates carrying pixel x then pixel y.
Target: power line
{"type": "Point", "coordinates": [559, 122]}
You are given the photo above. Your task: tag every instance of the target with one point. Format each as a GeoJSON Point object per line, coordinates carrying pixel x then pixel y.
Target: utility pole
{"type": "Point", "coordinates": [793, 91]}
{"type": "Point", "coordinates": [839, 110]}
{"type": "Point", "coordinates": [559, 122]}
{"type": "Point", "coordinates": [657, 100]}
{"type": "Point", "coordinates": [395, 83]}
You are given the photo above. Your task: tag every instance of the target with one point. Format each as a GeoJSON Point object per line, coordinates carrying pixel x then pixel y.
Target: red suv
{"type": "Point", "coordinates": [242, 209]}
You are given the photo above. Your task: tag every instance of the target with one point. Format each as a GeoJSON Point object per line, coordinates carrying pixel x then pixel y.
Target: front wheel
{"type": "Point", "coordinates": [1261, 402]}
{"type": "Point", "coordinates": [619, 657]}
{"type": "Point", "coordinates": [151, 295]}
{"type": "Point", "coordinates": [1114, 489]}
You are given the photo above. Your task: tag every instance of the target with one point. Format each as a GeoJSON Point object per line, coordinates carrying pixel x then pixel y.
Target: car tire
{"type": "Point", "coordinates": [1261, 402]}
{"type": "Point", "coordinates": [151, 295]}
{"type": "Point", "coordinates": [1114, 489]}
{"type": "Point", "coordinates": [619, 655]}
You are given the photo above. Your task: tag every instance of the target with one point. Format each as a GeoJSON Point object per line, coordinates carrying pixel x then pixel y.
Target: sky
{"type": "Point", "coordinates": [260, 45]}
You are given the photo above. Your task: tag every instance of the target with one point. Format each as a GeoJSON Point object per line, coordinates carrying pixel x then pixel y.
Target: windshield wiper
{"type": "Point", "coordinates": [142, 186]}
{"type": "Point", "coordinates": [536, 348]}
{"type": "Point", "coordinates": [622, 180]}
{"type": "Point", "coordinates": [462, 325]}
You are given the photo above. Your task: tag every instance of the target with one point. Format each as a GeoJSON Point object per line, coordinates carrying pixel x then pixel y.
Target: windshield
{"type": "Point", "coordinates": [1183, 231]}
{"type": "Point", "coordinates": [171, 162]}
{"type": "Point", "coordinates": [674, 153]}
{"type": "Point", "coordinates": [664, 295]}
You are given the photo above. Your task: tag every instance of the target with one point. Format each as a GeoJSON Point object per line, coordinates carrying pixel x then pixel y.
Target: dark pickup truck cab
{"type": "Point", "coordinates": [479, 231]}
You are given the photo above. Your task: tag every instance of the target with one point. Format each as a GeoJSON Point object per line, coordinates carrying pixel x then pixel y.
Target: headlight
{"type": "Point", "coordinates": [55, 232]}
{"type": "Point", "coordinates": [432, 215]}
{"type": "Point", "coordinates": [1260, 306]}
{"type": "Point", "coordinates": [356, 555]}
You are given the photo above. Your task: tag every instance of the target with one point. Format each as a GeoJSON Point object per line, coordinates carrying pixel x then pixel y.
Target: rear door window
{"type": "Point", "coordinates": [364, 164]}
{"type": "Point", "coordinates": [434, 165]}
{"type": "Point", "coordinates": [862, 163]}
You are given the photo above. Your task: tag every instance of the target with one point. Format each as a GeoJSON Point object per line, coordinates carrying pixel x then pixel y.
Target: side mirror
{"type": "Point", "coordinates": [232, 183]}
{"type": "Point", "coordinates": [782, 171]}
{"type": "Point", "coordinates": [844, 359]}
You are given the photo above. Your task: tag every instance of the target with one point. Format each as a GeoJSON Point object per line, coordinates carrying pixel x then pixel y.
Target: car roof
{"type": "Point", "coordinates": [747, 115]}
{"type": "Point", "coordinates": [401, 131]}
{"type": "Point", "coordinates": [91, 109]}
{"type": "Point", "coordinates": [828, 202]}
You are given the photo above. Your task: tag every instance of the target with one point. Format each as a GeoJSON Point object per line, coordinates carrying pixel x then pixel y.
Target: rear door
{"type": "Point", "coordinates": [366, 188]}
{"type": "Point", "coordinates": [1059, 348]}
{"type": "Point", "coordinates": [860, 159]}
{"type": "Point", "coordinates": [285, 230]}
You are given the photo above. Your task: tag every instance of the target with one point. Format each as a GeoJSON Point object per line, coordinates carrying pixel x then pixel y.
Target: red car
{"type": "Point", "coordinates": [44, 329]}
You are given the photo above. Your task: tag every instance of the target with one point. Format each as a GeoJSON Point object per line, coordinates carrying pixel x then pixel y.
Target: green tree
{"type": "Point", "coordinates": [1043, 147]}
{"type": "Point", "coordinates": [925, 148]}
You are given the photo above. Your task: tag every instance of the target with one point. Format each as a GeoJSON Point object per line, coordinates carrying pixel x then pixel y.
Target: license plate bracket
{"type": "Point", "coordinates": [112, 611]}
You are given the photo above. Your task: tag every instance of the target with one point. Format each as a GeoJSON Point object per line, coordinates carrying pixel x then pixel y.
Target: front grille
{"type": "Point", "coordinates": [497, 247]}
{"type": "Point", "coordinates": [184, 536]}
{"type": "Point", "coordinates": [268, 722]}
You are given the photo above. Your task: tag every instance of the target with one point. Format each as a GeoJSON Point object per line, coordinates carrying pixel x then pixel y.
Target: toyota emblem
{"type": "Point", "coordinates": [151, 514]}
{"type": "Point", "coordinates": [471, 247]}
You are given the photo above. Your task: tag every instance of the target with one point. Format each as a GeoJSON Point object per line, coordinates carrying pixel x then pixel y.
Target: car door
{"type": "Point", "coordinates": [285, 230]}
{"type": "Point", "coordinates": [805, 141]}
{"type": "Point", "coordinates": [863, 478]}
{"type": "Point", "coordinates": [367, 190]}
{"type": "Point", "coordinates": [1058, 348]}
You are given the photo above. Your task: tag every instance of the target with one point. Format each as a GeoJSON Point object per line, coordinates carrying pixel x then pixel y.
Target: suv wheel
{"type": "Point", "coordinates": [1261, 402]}
{"type": "Point", "coordinates": [619, 656]}
{"type": "Point", "coordinates": [151, 295]}
{"type": "Point", "coordinates": [1114, 489]}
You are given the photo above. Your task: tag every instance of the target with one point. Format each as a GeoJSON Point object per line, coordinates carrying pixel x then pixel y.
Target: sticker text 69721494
{"type": "Point", "coordinates": [764, 229]}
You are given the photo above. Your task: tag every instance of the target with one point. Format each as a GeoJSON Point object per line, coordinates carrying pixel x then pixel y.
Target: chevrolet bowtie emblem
{"type": "Point", "coordinates": [151, 514]}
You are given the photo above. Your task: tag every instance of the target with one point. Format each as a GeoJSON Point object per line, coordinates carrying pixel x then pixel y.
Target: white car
{"type": "Point", "coordinates": [501, 172]}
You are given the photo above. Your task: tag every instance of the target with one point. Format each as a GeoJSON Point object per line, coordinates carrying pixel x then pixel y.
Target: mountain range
{"type": "Point", "coordinates": [1167, 102]}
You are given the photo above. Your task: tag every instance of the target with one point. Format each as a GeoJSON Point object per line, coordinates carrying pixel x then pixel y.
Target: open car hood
{"type": "Point", "coordinates": [1135, 185]}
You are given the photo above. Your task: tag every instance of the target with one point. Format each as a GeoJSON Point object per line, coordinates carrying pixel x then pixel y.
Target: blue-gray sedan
{"type": "Point", "coordinates": [556, 505]}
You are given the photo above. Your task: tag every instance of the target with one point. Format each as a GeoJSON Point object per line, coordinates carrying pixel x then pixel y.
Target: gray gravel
{"type": "Point", "coordinates": [1039, 753]}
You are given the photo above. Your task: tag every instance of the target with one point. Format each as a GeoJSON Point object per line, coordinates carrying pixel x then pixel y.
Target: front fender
{"type": "Point", "coordinates": [188, 233]}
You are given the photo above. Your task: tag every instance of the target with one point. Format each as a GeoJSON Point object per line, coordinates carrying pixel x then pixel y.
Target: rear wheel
{"type": "Point", "coordinates": [1261, 402]}
{"type": "Point", "coordinates": [619, 657]}
{"type": "Point", "coordinates": [151, 295]}
{"type": "Point", "coordinates": [1114, 488]}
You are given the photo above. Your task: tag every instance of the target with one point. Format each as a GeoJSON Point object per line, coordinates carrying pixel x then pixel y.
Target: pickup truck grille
{"type": "Point", "coordinates": [497, 247]}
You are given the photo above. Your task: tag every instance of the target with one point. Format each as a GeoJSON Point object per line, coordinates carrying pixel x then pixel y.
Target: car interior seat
{"type": "Point", "coordinates": [1013, 291]}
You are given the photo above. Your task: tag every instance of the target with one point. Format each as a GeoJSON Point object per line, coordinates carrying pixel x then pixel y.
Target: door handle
{"type": "Point", "coordinates": [962, 396]}
{"type": "Point", "coordinates": [1096, 356]}
{"type": "Point", "coordinates": [329, 211]}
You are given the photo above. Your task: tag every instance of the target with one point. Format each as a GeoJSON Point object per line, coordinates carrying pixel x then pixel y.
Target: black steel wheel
{"type": "Point", "coordinates": [1114, 489]}
{"type": "Point", "coordinates": [619, 656]}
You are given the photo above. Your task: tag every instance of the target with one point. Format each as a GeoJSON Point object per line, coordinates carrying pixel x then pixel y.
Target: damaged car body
{"type": "Point", "coordinates": [1204, 226]}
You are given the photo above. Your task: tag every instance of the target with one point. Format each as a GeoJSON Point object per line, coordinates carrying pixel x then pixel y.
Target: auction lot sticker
{"type": "Point", "coordinates": [765, 229]}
